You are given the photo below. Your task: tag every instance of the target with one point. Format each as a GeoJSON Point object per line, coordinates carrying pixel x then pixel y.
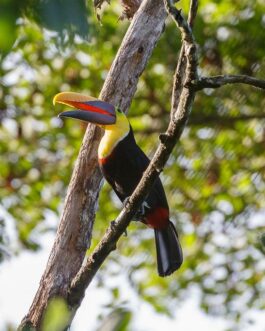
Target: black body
{"type": "Point", "coordinates": [123, 169]}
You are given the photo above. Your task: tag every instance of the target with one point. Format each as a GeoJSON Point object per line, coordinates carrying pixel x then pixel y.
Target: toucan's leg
{"type": "Point", "coordinates": [124, 202]}
{"type": "Point", "coordinates": [141, 212]}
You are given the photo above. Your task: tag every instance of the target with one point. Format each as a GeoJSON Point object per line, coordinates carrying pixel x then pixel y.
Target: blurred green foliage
{"type": "Point", "coordinates": [215, 179]}
{"type": "Point", "coordinates": [118, 320]}
{"type": "Point", "coordinates": [57, 315]}
{"type": "Point", "coordinates": [66, 17]}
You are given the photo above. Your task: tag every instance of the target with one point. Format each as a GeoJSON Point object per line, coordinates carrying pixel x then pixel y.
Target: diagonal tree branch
{"type": "Point", "coordinates": [180, 73]}
{"type": "Point", "coordinates": [75, 229]}
{"type": "Point", "coordinates": [182, 24]}
{"type": "Point", "coordinates": [218, 81]}
{"type": "Point", "coordinates": [192, 12]}
{"type": "Point", "coordinates": [168, 141]}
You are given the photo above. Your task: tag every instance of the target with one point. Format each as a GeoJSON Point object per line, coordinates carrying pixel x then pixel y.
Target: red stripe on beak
{"type": "Point", "coordinates": [88, 107]}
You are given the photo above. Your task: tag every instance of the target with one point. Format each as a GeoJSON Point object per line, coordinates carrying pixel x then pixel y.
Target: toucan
{"type": "Point", "coordinates": [122, 163]}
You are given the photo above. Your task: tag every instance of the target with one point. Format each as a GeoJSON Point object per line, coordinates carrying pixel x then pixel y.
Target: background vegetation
{"type": "Point", "coordinates": [215, 179]}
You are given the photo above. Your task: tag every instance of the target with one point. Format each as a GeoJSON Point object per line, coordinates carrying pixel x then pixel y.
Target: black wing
{"type": "Point", "coordinates": [124, 169]}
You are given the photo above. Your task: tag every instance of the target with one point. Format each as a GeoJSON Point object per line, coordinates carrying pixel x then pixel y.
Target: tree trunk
{"type": "Point", "coordinates": [75, 228]}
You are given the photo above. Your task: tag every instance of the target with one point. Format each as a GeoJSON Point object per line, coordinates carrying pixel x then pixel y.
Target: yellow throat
{"type": "Point", "coordinates": [113, 135]}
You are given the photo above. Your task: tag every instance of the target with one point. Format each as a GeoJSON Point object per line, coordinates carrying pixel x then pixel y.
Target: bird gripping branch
{"type": "Point", "coordinates": [122, 163]}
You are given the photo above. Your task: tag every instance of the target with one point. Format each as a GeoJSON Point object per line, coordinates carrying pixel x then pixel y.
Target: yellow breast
{"type": "Point", "coordinates": [113, 135]}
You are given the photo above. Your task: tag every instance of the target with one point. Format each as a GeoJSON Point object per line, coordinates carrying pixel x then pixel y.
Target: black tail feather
{"type": "Point", "coordinates": [168, 249]}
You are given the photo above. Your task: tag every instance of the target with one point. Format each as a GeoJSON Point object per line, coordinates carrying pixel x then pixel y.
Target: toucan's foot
{"type": "Point", "coordinates": [140, 214]}
{"type": "Point", "coordinates": [125, 201]}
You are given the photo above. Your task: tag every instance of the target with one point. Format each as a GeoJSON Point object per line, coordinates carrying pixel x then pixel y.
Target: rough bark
{"type": "Point", "coordinates": [74, 232]}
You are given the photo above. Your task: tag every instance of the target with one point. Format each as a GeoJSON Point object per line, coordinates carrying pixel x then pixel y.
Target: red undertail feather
{"type": "Point", "coordinates": [158, 218]}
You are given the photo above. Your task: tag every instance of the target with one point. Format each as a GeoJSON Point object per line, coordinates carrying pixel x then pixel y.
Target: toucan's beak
{"type": "Point", "coordinates": [89, 109]}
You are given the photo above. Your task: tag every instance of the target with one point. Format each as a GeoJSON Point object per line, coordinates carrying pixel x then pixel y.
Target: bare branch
{"type": "Point", "coordinates": [182, 24]}
{"type": "Point", "coordinates": [218, 81]}
{"type": "Point", "coordinates": [192, 12]}
{"type": "Point", "coordinates": [180, 73]}
{"type": "Point", "coordinates": [168, 141]}
{"type": "Point", "coordinates": [178, 81]}
{"type": "Point", "coordinates": [76, 223]}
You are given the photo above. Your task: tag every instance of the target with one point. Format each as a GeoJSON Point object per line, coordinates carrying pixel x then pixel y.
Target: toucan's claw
{"type": "Point", "coordinates": [141, 213]}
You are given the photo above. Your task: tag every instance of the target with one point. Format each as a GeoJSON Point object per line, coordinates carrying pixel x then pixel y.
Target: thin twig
{"type": "Point", "coordinates": [218, 81]}
{"type": "Point", "coordinates": [178, 80]}
{"type": "Point", "coordinates": [180, 73]}
{"type": "Point", "coordinates": [192, 12]}
{"type": "Point", "coordinates": [182, 24]}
